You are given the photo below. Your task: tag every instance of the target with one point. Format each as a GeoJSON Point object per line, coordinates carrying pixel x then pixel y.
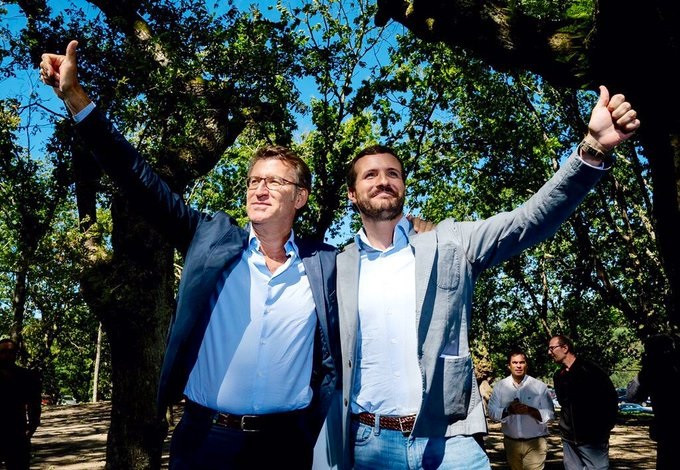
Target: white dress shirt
{"type": "Point", "coordinates": [389, 380]}
{"type": "Point", "coordinates": [256, 355]}
{"type": "Point", "coordinates": [531, 392]}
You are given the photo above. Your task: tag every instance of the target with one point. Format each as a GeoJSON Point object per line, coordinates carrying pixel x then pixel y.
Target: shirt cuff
{"type": "Point", "coordinates": [83, 113]}
{"type": "Point", "coordinates": [578, 155]}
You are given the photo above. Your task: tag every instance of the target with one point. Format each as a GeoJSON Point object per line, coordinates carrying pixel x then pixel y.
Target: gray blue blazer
{"type": "Point", "coordinates": [448, 261]}
{"type": "Point", "coordinates": [210, 244]}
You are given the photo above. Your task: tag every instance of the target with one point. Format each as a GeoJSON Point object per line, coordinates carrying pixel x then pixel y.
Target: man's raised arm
{"type": "Point", "coordinates": [117, 157]}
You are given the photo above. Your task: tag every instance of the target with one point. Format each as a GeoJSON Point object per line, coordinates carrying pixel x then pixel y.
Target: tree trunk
{"type": "Point", "coordinates": [19, 306]}
{"type": "Point", "coordinates": [97, 362]}
{"type": "Point", "coordinates": [133, 294]}
{"type": "Point", "coordinates": [662, 149]}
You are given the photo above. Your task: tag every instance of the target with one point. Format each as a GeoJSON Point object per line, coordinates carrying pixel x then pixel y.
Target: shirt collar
{"type": "Point", "coordinates": [522, 382]}
{"type": "Point", "coordinates": [290, 247]}
{"type": "Point", "coordinates": [399, 239]}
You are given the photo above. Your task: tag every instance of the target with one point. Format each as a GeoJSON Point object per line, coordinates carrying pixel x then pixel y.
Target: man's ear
{"type": "Point", "coordinates": [351, 195]}
{"type": "Point", "coordinates": [301, 198]}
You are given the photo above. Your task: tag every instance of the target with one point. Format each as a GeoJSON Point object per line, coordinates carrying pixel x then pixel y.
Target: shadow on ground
{"type": "Point", "coordinates": [629, 447]}
{"type": "Point", "coordinates": [74, 438]}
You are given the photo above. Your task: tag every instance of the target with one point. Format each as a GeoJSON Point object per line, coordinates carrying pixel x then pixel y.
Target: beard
{"type": "Point", "coordinates": [381, 210]}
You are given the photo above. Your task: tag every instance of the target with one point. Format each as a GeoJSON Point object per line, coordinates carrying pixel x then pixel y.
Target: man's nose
{"type": "Point", "coordinates": [383, 179]}
{"type": "Point", "coordinates": [261, 187]}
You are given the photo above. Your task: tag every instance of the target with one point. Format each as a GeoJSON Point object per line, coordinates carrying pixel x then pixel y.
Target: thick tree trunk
{"type": "Point", "coordinates": [133, 295]}
{"type": "Point", "coordinates": [663, 152]}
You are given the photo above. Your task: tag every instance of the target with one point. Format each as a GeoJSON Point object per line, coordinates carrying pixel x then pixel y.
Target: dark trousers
{"type": "Point", "coordinates": [585, 456]}
{"type": "Point", "coordinates": [15, 451]}
{"type": "Point", "coordinates": [198, 444]}
{"type": "Point", "coordinates": [666, 455]}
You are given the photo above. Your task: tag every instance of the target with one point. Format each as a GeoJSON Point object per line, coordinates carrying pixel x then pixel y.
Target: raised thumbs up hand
{"type": "Point", "coordinates": [61, 73]}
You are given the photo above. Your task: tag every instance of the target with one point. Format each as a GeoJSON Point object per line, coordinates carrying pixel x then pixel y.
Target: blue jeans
{"type": "Point", "coordinates": [585, 456]}
{"type": "Point", "coordinates": [376, 449]}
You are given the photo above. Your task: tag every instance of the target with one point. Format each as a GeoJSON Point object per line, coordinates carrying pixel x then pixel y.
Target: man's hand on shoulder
{"type": "Point", "coordinates": [420, 225]}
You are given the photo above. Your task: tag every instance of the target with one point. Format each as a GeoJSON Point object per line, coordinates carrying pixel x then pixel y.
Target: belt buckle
{"type": "Point", "coordinates": [401, 426]}
{"type": "Point", "coordinates": [244, 427]}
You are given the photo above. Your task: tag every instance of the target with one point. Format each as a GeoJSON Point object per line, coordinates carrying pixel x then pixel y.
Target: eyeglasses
{"type": "Point", "coordinates": [551, 348]}
{"type": "Point", "coordinates": [273, 183]}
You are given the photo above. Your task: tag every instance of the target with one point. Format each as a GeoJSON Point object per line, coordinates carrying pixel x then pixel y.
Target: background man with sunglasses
{"type": "Point", "coordinates": [253, 344]}
{"type": "Point", "coordinates": [588, 407]}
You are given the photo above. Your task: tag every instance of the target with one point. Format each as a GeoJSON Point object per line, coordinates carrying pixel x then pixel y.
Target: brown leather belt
{"type": "Point", "coordinates": [247, 423]}
{"type": "Point", "coordinates": [394, 423]}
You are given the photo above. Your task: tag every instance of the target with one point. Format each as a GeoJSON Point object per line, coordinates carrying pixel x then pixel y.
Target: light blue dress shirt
{"type": "Point", "coordinates": [256, 355]}
{"type": "Point", "coordinates": [389, 380]}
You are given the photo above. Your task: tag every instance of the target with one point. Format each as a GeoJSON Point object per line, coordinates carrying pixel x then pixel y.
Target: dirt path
{"type": "Point", "coordinates": [74, 438]}
{"type": "Point", "coordinates": [629, 446]}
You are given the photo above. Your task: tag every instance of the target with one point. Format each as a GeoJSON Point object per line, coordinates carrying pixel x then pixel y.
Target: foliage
{"type": "Point", "coordinates": [41, 244]}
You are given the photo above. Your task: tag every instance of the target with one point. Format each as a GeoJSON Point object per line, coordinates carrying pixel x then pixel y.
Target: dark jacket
{"type": "Point", "coordinates": [588, 403]}
{"type": "Point", "coordinates": [656, 380]}
{"type": "Point", "coordinates": [20, 401]}
{"type": "Point", "coordinates": [210, 244]}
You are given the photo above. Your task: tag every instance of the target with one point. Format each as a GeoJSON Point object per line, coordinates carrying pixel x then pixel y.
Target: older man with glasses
{"type": "Point", "coordinates": [588, 407]}
{"type": "Point", "coordinates": [254, 344]}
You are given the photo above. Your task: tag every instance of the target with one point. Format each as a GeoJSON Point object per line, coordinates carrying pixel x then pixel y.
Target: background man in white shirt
{"type": "Point", "coordinates": [524, 407]}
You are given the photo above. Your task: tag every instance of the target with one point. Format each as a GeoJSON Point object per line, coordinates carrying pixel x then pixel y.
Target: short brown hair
{"type": "Point", "coordinates": [287, 156]}
{"type": "Point", "coordinates": [517, 352]}
{"type": "Point", "coordinates": [565, 341]}
{"type": "Point", "coordinates": [371, 150]}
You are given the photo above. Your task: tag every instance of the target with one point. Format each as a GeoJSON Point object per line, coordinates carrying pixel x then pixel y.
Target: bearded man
{"type": "Point", "coordinates": [410, 399]}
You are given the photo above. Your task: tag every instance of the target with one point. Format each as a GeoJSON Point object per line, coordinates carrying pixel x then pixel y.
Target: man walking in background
{"type": "Point", "coordinates": [660, 368]}
{"type": "Point", "coordinates": [20, 391]}
{"type": "Point", "coordinates": [523, 406]}
{"type": "Point", "coordinates": [588, 407]}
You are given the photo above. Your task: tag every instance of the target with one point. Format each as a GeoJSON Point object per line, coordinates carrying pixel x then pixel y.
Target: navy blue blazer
{"type": "Point", "coordinates": [210, 244]}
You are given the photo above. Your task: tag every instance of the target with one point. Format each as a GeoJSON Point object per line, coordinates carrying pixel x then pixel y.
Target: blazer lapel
{"type": "Point", "coordinates": [312, 263]}
{"type": "Point", "coordinates": [425, 248]}
{"type": "Point", "coordinates": [348, 298]}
